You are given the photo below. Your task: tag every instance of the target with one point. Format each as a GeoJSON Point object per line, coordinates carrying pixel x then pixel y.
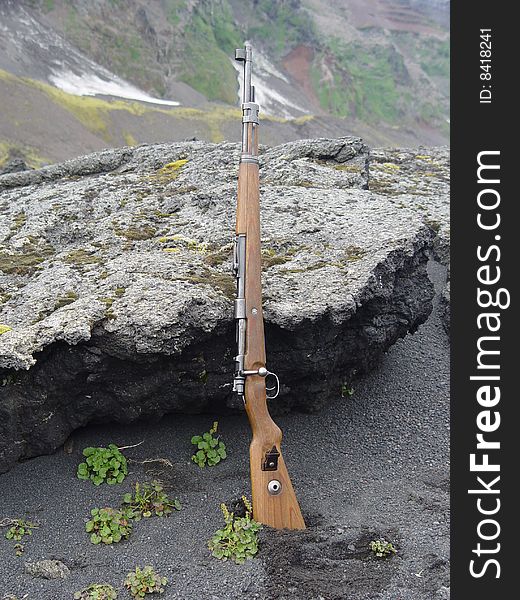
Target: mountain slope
{"type": "Point", "coordinates": [376, 68]}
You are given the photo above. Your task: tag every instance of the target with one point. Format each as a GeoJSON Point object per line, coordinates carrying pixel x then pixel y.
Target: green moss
{"type": "Point", "coordinates": [136, 233]}
{"type": "Point", "coordinates": [4, 329]}
{"type": "Point", "coordinates": [312, 267]}
{"type": "Point", "coordinates": [390, 167]}
{"type": "Point", "coordinates": [19, 221]}
{"type": "Point", "coordinates": [224, 282]}
{"type": "Point", "coordinates": [219, 256]}
{"type": "Point", "coordinates": [348, 168]}
{"type": "Point", "coordinates": [181, 241]}
{"type": "Point", "coordinates": [106, 300]}
{"type": "Point", "coordinates": [270, 258]}
{"type": "Point", "coordinates": [65, 300]}
{"type": "Point", "coordinates": [82, 257]}
{"type": "Point", "coordinates": [304, 183]}
{"type": "Point", "coordinates": [120, 291]}
{"type": "Point", "coordinates": [24, 263]}
{"type": "Point", "coordinates": [278, 256]}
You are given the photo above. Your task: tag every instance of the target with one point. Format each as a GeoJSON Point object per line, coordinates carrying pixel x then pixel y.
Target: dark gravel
{"type": "Point", "coordinates": [370, 465]}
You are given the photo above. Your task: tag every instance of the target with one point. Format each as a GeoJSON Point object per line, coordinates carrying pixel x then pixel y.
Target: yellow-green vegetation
{"type": "Point", "coordinates": [30, 154]}
{"type": "Point", "coordinates": [348, 168]}
{"type": "Point", "coordinates": [81, 257]}
{"type": "Point", "coordinates": [18, 530]}
{"type": "Point", "coordinates": [222, 281]}
{"type": "Point", "coordinates": [210, 448]}
{"type": "Point", "coordinates": [4, 329]}
{"type": "Point", "coordinates": [20, 220]}
{"type": "Point", "coordinates": [148, 499]}
{"type": "Point", "coordinates": [66, 299]}
{"type": "Point", "coordinates": [92, 112]}
{"type": "Point", "coordinates": [272, 256]}
{"type": "Point", "coordinates": [217, 257]}
{"type": "Point", "coordinates": [320, 264]}
{"type": "Point", "coordinates": [171, 170]}
{"type": "Point", "coordinates": [177, 241]}
{"type": "Point", "coordinates": [129, 139]}
{"type": "Point", "coordinates": [238, 539]}
{"type": "Point", "coordinates": [24, 263]}
{"type": "Point", "coordinates": [145, 581]}
{"type": "Point", "coordinates": [209, 39]}
{"type": "Point", "coordinates": [144, 232]}
{"type": "Point", "coordinates": [95, 114]}
{"type": "Point", "coordinates": [106, 300]}
{"type": "Point", "coordinates": [354, 253]}
{"type": "Point", "coordinates": [284, 24]}
{"type": "Point", "coordinates": [96, 591]}
{"type": "Point", "coordinates": [382, 549]}
{"type": "Point", "coordinates": [390, 167]}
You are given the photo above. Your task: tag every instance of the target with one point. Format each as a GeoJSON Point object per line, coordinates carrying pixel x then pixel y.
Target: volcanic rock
{"type": "Point", "coordinates": [116, 288]}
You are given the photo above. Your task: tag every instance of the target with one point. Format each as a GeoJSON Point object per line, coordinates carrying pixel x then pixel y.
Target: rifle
{"type": "Point", "coordinates": [274, 500]}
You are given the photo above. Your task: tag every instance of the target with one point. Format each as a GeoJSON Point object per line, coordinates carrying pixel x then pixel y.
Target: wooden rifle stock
{"type": "Point", "coordinates": [274, 500]}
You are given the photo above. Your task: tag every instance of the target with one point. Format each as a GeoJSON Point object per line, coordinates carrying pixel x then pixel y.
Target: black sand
{"type": "Point", "coordinates": [374, 464]}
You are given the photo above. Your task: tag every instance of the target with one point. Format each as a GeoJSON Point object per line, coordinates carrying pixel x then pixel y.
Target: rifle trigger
{"type": "Point", "coordinates": [271, 460]}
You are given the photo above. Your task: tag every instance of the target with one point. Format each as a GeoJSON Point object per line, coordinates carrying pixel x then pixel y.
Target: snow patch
{"type": "Point", "coordinates": [265, 76]}
{"type": "Point", "coordinates": [89, 84]}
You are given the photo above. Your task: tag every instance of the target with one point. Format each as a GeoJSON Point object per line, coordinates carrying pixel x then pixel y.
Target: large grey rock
{"type": "Point", "coordinates": [115, 281]}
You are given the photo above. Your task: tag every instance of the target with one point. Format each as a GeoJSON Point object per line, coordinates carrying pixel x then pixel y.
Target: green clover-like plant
{"type": "Point", "coordinates": [210, 450]}
{"type": "Point", "coordinates": [238, 539]}
{"type": "Point", "coordinates": [108, 526]}
{"type": "Point", "coordinates": [147, 500]}
{"type": "Point", "coordinates": [97, 591]}
{"type": "Point", "coordinates": [382, 549]}
{"type": "Point", "coordinates": [145, 581]}
{"type": "Point", "coordinates": [103, 464]}
{"type": "Point", "coordinates": [18, 530]}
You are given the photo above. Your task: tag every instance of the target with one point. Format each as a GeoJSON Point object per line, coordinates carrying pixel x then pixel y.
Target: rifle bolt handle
{"type": "Point", "coordinates": [262, 371]}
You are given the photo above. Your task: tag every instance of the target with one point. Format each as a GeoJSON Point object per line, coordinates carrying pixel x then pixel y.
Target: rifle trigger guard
{"type": "Point", "coordinates": [274, 387]}
{"type": "Point", "coordinates": [263, 372]}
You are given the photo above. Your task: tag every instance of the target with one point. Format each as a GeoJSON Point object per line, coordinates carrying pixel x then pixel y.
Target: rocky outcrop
{"type": "Point", "coordinates": [116, 288]}
{"type": "Point", "coordinates": [419, 180]}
